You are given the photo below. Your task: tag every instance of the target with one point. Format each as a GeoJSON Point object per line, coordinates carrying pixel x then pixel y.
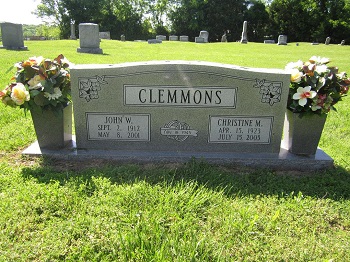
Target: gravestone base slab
{"type": "Point", "coordinates": [284, 161]}
{"type": "Point", "coordinates": [19, 48]}
{"type": "Point", "coordinates": [89, 50]}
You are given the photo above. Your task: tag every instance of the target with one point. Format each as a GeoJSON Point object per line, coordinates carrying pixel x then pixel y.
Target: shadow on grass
{"type": "Point", "coordinates": [233, 181]}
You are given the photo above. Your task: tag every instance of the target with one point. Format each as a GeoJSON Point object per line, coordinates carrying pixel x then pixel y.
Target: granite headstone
{"type": "Point", "coordinates": [205, 36]}
{"type": "Point", "coordinates": [184, 38]}
{"type": "Point", "coordinates": [282, 40]}
{"type": "Point", "coordinates": [105, 35]}
{"type": "Point", "coordinates": [244, 39]}
{"type": "Point", "coordinates": [12, 36]}
{"type": "Point", "coordinates": [170, 108]}
{"type": "Point", "coordinates": [89, 39]}
{"type": "Point", "coordinates": [328, 41]}
{"type": "Point", "coordinates": [173, 38]}
{"type": "Point", "coordinates": [161, 37]}
{"type": "Point", "coordinates": [72, 32]}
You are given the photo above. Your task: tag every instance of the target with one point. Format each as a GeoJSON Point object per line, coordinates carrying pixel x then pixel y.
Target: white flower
{"type": "Point", "coordinates": [20, 94]}
{"type": "Point", "coordinates": [321, 69]}
{"type": "Point", "coordinates": [294, 65]}
{"type": "Point", "coordinates": [303, 93]}
{"type": "Point", "coordinates": [36, 60]}
{"type": "Point", "coordinates": [35, 82]}
{"type": "Point", "coordinates": [295, 75]}
{"type": "Point", "coordinates": [56, 94]}
{"type": "Point", "coordinates": [319, 60]}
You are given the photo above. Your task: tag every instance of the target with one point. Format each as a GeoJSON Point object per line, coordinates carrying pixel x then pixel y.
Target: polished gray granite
{"type": "Point", "coordinates": [282, 161]}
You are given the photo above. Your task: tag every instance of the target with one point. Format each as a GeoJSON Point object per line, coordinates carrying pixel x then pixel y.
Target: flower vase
{"type": "Point", "coordinates": [302, 134]}
{"type": "Point", "coordinates": [53, 131]}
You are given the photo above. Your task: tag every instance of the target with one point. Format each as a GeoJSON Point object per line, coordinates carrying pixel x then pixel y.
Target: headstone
{"type": "Point", "coordinates": [205, 36]}
{"type": "Point", "coordinates": [12, 36]}
{"type": "Point", "coordinates": [154, 41]}
{"type": "Point", "coordinates": [342, 42]}
{"type": "Point", "coordinates": [105, 35]}
{"type": "Point", "coordinates": [178, 109]}
{"type": "Point", "coordinates": [122, 38]}
{"type": "Point", "coordinates": [72, 32]}
{"type": "Point", "coordinates": [173, 38]}
{"type": "Point", "coordinates": [282, 40]}
{"type": "Point", "coordinates": [161, 37]}
{"type": "Point", "coordinates": [244, 39]}
{"type": "Point", "coordinates": [199, 39]}
{"type": "Point", "coordinates": [314, 43]}
{"type": "Point", "coordinates": [184, 38]}
{"type": "Point", "coordinates": [328, 41]}
{"type": "Point", "coordinates": [224, 38]}
{"type": "Point", "coordinates": [89, 39]}
{"type": "Point", "coordinates": [268, 41]}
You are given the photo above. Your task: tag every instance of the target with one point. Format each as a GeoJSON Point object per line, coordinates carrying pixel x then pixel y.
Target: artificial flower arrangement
{"type": "Point", "coordinates": [315, 87]}
{"type": "Point", "coordinates": [39, 84]}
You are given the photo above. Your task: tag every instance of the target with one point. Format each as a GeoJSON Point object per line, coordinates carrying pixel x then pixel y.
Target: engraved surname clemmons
{"type": "Point", "coordinates": [180, 96]}
{"type": "Point", "coordinates": [162, 96]}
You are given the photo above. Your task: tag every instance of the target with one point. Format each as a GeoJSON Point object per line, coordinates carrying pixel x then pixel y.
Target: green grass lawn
{"type": "Point", "coordinates": [103, 211]}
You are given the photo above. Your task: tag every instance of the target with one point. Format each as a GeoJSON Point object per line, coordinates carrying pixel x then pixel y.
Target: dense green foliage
{"type": "Point", "coordinates": [305, 20]}
{"type": "Point", "coordinates": [310, 20]}
{"type": "Point", "coordinates": [60, 210]}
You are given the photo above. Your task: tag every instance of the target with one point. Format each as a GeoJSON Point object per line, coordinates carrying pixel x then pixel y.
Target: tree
{"type": "Point", "coordinates": [310, 20]}
{"type": "Point", "coordinates": [117, 16]}
{"type": "Point", "coordinates": [258, 21]}
{"type": "Point", "coordinates": [215, 16]}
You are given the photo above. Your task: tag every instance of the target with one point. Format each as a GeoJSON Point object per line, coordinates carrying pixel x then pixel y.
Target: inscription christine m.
{"type": "Point", "coordinates": [126, 127]}
{"type": "Point", "coordinates": [180, 96]}
{"type": "Point", "coordinates": [240, 129]}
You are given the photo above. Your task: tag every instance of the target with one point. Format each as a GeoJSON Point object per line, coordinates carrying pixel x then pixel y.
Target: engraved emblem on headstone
{"type": "Point", "coordinates": [178, 131]}
{"type": "Point", "coordinates": [270, 91]}
{"type": "Point", "coordinates": [89, 87]}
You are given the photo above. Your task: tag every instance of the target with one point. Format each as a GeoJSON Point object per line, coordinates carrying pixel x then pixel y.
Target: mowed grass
{"type": "Point", "coordinates": [105, 211]}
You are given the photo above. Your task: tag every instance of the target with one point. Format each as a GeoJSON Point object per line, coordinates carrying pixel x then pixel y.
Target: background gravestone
{"type": "Point", "coordinates": [105, 35]}
{"type": "Point", "coordinates": [204, 35]}
{"type": "Point", "coordinates": [199, 39]}
{"type": "Point", "coordinates": [184, 38]}
{"type": "Point", "coordinates": [12, 36]}
{"type": "Point", "coordinates": [173, 38]}
{"type": "Point", "coordinates": [154, 41]}
{"type": "Point", "coordinates": [328, 41]}
{"type": "Point", "coordinates": [72, 32]}
{"type": "Point", "coordinates": [244, 39]}
{"type": "Point", "coordinates": [224, 38]}
{"type": "Point", "coordinates": [282, 40]}
{"type": "Point", "coordinates": [161, 37]}
{"type": "Point", "coordinates": [89, 39]}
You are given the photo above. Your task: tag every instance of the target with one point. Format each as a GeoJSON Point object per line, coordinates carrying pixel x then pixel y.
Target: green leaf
{"type": "Point", "coordinates": [48, 86]}
{"type": "Point", "coordinates": [34, 93]}
{"type": "Point", "coordinates": [41, 100]}
{"type": "Point", "coordinates": [9, 70]}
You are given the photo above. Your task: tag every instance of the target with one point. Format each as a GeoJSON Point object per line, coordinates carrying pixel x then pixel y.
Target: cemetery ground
{"type": "Point", "coordinates": [97, 210]}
